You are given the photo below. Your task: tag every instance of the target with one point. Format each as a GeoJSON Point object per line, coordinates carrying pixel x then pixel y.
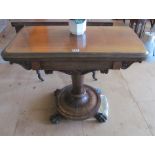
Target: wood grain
{"type": "Point", "coordinates": [41, 39]}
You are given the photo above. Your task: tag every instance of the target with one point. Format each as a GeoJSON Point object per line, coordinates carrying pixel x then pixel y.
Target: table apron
{"type": "Point", "coordinates": [83, 67]}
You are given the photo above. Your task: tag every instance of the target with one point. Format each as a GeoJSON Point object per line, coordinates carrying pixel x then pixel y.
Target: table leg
{"type": "Point", "coordinates": [78, 101]}
{"type": "Point", "coordinates": [94, 75]}
{"type": "Point", "coordinates": [39, 75]}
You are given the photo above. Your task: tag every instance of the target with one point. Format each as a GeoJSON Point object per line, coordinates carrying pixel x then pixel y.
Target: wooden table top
{"type": "Point", "coordinates": [102, 40]}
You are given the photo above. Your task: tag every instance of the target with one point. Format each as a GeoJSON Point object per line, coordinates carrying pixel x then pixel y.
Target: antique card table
{"type": "Point", "coordinates": [53, 48]}
{"type": "Point", "coordinates": [20, 23]}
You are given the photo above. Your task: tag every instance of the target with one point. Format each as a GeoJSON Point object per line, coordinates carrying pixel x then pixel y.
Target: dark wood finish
{"type": "Point", "coordinates": [79, 106]}
{"type": "Point", "coordinates": [53, 49]}
{"type": "Point", "coordinates": [77, 84]}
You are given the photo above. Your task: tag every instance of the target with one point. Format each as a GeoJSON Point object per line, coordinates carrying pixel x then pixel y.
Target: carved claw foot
{"type": "Point", "coordinates": [94, 75]}
{"type": "Point", "coordinates": [55, 119]}
{"type": "Point", "coordinates": [100, 117]}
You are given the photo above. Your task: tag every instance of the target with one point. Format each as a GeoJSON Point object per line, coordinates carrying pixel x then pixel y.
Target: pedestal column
{"type": "Point", "coordinates": [77, 84]}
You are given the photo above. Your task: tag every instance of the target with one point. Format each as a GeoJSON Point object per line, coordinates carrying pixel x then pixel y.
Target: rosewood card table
{"type": "Point", "coordinates": [20, 23]}
{"type": "Point", "coordinates": [53, 48]}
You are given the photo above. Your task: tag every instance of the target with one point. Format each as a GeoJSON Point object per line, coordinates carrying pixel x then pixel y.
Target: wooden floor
{"type": "Point", "coordinates": [26, 103]}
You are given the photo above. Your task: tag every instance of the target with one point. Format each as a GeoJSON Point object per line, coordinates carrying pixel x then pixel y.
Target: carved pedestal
{"type": "Point", "coordinates": [78, 101]}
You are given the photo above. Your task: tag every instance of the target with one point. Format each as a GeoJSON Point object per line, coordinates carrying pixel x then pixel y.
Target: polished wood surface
{"type": "Point", "coordinates": [55, 39]}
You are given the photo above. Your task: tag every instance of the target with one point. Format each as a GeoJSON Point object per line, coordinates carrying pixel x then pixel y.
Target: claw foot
{"type": "Point", "coordinates": [100, 117]}
{"type": "Point", "coordinates": [55, 119]}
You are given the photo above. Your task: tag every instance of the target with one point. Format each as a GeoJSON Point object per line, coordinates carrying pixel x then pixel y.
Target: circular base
{"type": "Point", "coordinates": [78, 107]}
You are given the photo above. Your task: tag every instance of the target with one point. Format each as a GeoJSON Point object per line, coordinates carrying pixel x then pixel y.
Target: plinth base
{"type": "Point", "coordinates": [80, 107]}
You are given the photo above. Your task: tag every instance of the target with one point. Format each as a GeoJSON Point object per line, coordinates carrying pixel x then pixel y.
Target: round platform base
{"type": "Point", "coordinates": [78, 107]}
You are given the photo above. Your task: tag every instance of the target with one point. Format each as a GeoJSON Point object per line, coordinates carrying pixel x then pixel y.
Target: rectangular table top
{"type": "Point", "coordinates": [43, 39]}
